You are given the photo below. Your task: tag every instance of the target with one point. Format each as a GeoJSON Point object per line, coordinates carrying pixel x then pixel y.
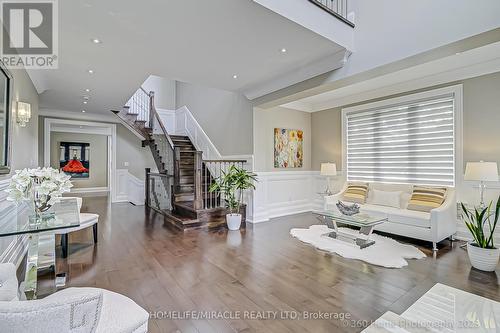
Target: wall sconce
{"type": "Point", "coordinates": [23, 113]}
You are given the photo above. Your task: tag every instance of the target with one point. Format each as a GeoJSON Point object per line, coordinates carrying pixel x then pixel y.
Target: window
{"type": "Point", "coordinates": [407, 140]}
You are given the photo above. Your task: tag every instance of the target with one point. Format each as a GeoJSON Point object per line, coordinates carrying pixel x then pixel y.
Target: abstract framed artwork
{"type": "Point", "coordinates": [288, 148]}
{"type": "Point", "coordinates": [74, 159]}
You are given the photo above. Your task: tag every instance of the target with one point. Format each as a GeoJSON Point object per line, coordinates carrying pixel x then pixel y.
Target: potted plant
{"type": "Point", "coordinates": [483, 254]}
{"type": "Point", "coordinates": [232, 183]}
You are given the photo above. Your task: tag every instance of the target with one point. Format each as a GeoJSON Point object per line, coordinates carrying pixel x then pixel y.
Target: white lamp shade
{"type": "Point", "coordinates": [328, 169]}
{"type": "Point", "coordinates": [481, 171]}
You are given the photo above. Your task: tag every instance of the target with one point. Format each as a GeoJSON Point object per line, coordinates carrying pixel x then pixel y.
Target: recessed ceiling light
{"type": "Point", "coordinates": [283, 50]}
{"type": "Point", "coordinates": [86, 98]}
{"type": "Point", "coordinates": [96, 41]}
{"type": "Point", "coordinates": [83, 111]}
{"type": "Point", "coordinates": [235, 76]}
{"type": "Point", "coordinates": [87, 90]}
{"type": "Point", "coordinates": [85, 102]}
{"type": "Point", "coordinates": [91, 71]}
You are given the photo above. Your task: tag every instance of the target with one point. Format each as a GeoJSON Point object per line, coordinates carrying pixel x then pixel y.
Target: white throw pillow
{"type": "Point", "coordinates": [385, 198]}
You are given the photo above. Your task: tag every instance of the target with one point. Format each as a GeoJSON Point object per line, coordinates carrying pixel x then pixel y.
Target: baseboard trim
{"type": "Point", "coordinates": [89, 190]}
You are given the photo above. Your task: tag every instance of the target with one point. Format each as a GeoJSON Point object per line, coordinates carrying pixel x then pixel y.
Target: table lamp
{"type": "Point", "coordinates": [328, 169]}
{"type": "Point", "coordinates": [482, 172]}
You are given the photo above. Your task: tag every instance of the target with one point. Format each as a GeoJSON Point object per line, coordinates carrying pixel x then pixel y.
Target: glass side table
{"type": "Point", "coordinates": [17, 220]}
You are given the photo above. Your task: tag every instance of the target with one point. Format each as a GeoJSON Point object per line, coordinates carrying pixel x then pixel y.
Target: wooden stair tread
{"type": "Point", "coordinates": [179, 221]}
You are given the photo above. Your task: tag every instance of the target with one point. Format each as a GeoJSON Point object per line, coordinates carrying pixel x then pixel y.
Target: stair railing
{"type": "Point", "coordinates": [205, 171]}
{"type": "Point", "coordinates": [139, 104]}
{"type": "Point", "coordinates": [158, 191]}
{"type": "Point", "coordinates": [162, 147]}
{"type": "Point", "coordinates": [212, 170]}
{"type": "Point", "coordinates": [337, 8]}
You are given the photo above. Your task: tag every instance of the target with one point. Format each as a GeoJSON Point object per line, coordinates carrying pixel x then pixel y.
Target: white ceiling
{"type": "Point", "coordinates": [202, 42]}
{"type": "Point", "coordinates": [474, 62]}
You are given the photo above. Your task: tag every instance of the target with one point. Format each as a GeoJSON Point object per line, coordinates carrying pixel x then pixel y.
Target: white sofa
{"type": "Point", "coordinates": [434, 227]}
{"type": "Point", "coordinates": [82, 310]}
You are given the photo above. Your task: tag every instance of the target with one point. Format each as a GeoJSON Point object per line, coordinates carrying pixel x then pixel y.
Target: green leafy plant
{"type": "Point", "coordinates": [476, 221]}
{"type": "Point", "coordinates": [232, 183]}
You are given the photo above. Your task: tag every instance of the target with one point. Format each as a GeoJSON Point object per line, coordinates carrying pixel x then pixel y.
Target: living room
{"type": "Point", "coordinates": [320, 166]}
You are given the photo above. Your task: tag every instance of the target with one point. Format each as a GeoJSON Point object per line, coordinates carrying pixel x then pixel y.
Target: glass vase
{"type": "Point", "coordinates": [40, 204]}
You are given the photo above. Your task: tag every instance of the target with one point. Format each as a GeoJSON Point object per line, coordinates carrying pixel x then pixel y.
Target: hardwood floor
{"type": "Point", "coordinates": [259, 269]}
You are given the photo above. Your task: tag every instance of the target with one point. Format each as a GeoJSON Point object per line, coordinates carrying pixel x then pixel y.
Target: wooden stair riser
{"type": "Point", "coordinates": [184, 211]}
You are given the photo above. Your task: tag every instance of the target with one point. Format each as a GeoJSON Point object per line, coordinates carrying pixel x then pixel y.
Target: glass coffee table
{"type": "Point", "coordinates": [17, 221]}
{"type": "Point", "coordinates": [365, 222]}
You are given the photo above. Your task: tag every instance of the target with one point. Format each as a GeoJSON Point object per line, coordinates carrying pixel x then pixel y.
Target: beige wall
{"type": "Point", "coordinates": [481, 130]}
{"type": "Point", "coordinates": [225, 116]}
{"type": "Point", "coordinates": [481, 120]}
{"type": "Point", "coordinates": [265, 121]}
{"type": "Point", "coordinates": [326, 138]}
{"type": "Point", "coordinates": [98, 157]}
{"type": "Point", "coordinates": [129, 149]}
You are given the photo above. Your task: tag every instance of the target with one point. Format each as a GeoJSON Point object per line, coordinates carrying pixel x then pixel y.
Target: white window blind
{"type": "Point", "coordinates": [409, 143]}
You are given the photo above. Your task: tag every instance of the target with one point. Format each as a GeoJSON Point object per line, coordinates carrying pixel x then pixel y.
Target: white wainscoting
{"type": "Point", "coordinates": [121, 185]}
{"type": "Point", "coordinates": [13, 248]}
{"type": "Point", "coordinates": [129, 188]}
{"type": "Point", "coordinates": [468, 192]}
{"type": "Point", "coordinates": [281, 193]}
{"type": "Point", "coordinates": [136, 188]}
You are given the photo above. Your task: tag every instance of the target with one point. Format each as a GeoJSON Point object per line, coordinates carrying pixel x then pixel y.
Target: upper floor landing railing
{"type": "Point", "coordinates": [337, 8]}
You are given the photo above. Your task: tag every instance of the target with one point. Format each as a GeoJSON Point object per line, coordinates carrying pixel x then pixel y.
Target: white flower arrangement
{"type": "Point", "coordinates": [48, 183]}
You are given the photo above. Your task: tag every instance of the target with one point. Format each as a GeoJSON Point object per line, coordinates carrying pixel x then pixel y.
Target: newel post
{"type": "Point", "coordinates": [177, 168]}
{"type": "Point", "coordinates": [151, 108]}
{"type": "Point", "coordinates": [146, 195]}
{"type": "Point", "coordinates": [198, 185]}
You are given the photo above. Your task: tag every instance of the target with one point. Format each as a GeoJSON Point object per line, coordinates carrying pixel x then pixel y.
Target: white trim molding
{"type": "Point", "coordinates": [89, 189]}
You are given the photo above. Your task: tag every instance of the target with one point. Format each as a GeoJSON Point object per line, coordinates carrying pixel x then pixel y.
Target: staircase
{"type": "Point", "coordinates": [180, 189]}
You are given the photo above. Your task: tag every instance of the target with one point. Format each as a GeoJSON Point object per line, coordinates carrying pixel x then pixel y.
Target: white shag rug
{"type": "Point", "coordinates": [385, 252]}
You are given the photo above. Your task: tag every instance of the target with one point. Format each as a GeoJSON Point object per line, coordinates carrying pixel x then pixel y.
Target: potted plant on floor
{"type": "Point", "coordinates": [482, 222]}
{"type": "Point", "coordinates": [232, 184]}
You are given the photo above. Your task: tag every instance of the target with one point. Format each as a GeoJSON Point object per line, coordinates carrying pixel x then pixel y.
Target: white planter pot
{"type": "Point", "coordinates": [233, 221]}
{"type": "Point", "coordinates": [483, 259]}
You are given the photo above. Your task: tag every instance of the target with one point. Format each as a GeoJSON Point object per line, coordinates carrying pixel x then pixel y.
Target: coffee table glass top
{"type": "Point", "coordinates": [16, 218]}
{"type": "Point", "coordinates": [359, 219]}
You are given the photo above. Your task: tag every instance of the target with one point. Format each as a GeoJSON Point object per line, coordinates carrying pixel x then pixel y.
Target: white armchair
{"type": "Point", "coordinates": [87, 220]}
{"type": "Point", "coordinates": [79, 310]}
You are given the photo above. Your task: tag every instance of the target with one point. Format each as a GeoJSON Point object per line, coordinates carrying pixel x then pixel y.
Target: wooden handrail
{"type": "Point", "coordinates": [155, 114]}
{"type": "Point", "coordinates": [159, 174]}
{"type": "Point", "coordinates": [226, 161]}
